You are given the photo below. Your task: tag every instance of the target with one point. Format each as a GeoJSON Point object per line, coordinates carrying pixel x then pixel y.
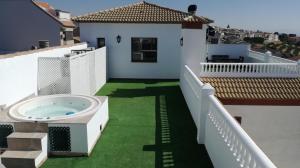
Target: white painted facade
{"type": "Point", "coordinates": [19, 73]}
{"type": "Point", "coordinates": [119, 54]}
{"type": "Point", "coordinates": [275, 129]}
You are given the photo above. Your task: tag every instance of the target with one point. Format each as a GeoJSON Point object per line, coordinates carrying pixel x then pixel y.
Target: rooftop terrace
{"type": "Point", "coordinates": [150, 126]}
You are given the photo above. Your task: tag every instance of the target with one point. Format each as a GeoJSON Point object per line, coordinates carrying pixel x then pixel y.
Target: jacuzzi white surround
{"type": "Point", "coordinates": [84, 135]}
{"type": "Point", "coordinates": [84, 105]}
{"type": "Point", "coordinates": [85, 125]}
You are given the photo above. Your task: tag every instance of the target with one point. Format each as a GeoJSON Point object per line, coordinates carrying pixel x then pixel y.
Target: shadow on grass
{"type": "Point", "coordinates": [175, 135]}
{"type": "Point", "coordinates": [145, 81]}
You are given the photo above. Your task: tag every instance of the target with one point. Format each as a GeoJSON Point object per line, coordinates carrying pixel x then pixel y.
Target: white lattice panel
{"type": "Point", "coordinates": [53, 76]}
{"type": "Point", "coordinates": [82, 74]}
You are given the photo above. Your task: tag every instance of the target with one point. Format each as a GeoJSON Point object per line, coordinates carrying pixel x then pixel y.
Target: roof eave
{"type": "Point", "coordinates": [130, 22]}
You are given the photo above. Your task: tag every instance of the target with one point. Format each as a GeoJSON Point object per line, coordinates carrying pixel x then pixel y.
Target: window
{"type": "Point", "coordinates": [100, 42]}
{"type": "Point", "coordinates": [144, 49]}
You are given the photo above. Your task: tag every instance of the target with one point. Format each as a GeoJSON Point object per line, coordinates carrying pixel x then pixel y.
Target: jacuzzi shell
{"type": "Point", "coordinates": [85, 128]}
{"type": "Point", "coordinates": [16, 111]}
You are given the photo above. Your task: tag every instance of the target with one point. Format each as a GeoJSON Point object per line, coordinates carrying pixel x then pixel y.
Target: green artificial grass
{"type": "Point", "coordinates": [150, 127]}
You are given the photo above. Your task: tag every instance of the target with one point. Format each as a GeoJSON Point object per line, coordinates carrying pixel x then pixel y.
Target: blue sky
{"type": "Point", "coordinates": [266, 15]}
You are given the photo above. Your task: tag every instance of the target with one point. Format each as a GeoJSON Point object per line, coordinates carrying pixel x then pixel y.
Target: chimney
{"type": "Point", "coordinates": [192, 9]}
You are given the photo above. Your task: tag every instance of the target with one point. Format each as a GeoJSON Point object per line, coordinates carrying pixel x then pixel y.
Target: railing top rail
{"type": "Point", "coordinates": [194, 76]}
{"type": "Point", "coordinates": [247, 141]}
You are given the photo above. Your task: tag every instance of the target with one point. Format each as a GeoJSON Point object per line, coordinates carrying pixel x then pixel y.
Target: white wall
{"type": "Point", "coordinates": [88, 72]}
{"type": "Point", "coordinates": [119, 54]}
{"type": "Point", "coordinates": [275, 129]}
{"type": "Point", "coordinates": [233, 50]}
{"type": "Point", "coordinates": [194, 48]}
{"type": "Point", "coordinates": [100, 67]}
{"type": "Point", "coordinates": [18, 74]}
{"type": "Point", "coordinates": [23, 24]}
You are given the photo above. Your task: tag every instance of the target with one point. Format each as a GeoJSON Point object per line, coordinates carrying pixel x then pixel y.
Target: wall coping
{"type": "Point", "coordinates": [22, 53]}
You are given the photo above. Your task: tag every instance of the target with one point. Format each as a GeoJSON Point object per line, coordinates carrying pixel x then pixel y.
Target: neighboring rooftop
{"type": "Point", "coordinates": [49, 10]}
{"type": "Point", "coordinates": [142, 12]}
{"type": "Point", "coordinates": [256, 91]}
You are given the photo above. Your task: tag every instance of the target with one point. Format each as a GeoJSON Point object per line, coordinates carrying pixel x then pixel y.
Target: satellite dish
{"type": "Point", "coordinates": [192, 9]}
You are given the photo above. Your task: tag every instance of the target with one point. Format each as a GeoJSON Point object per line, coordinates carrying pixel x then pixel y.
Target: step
{"type": "Point", "coordinates": [26, 141]}
{"type": "Point", "coordinates": [23, 159]}
{"type": "Point", "coordinates": [31, 127]}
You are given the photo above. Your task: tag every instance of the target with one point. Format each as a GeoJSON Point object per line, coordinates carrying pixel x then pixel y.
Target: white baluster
{"type": "Point", "coordinates": [244, 157]}
{"type": "Point", "coordinates": [232, 143]}
{"type": "Point", "coordinates": [235, 148]}
{"type": "Point", "coordinates": [239, 154]}
{"type": "Point", "coordinates": [248, 160]}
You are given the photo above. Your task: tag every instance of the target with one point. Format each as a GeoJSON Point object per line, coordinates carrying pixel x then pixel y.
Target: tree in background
{"type": "Point", "coordinates": [254, 40]}
{"type": "Point", "coordinates": [283, 37]}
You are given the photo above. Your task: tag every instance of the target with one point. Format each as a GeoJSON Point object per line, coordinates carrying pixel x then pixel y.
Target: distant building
{"type": "Point", "coordinates": [18, 33]}
{"type": "Point", "coordinates": [272, 38]}
{"type": "Point", "coordinates": [293, 39]}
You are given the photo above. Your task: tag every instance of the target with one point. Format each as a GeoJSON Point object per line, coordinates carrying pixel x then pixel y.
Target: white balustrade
{"type": "Point", "coordinates": [235, 142]}
{"type": "Point", "coordinates": [192, 87]}
{"type": "Point", "coordinates": [282, 70]}
{"type": "Point", "coordinates": [227, 144]}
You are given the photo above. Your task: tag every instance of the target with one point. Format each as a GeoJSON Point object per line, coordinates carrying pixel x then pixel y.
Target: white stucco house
{"type": "Point", "coordinates": [26, 22]}
{"type": "Point", "coordinates": [143, 39]}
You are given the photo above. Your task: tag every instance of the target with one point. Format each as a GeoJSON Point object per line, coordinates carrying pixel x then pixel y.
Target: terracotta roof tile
{"type": "Point", "coordinates": [275, 91]}
{"type": "Point", "coordinates": [142, 12]}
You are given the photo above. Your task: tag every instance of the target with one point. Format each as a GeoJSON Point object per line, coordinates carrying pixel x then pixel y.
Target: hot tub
{"type": "Point", "coordinates": [80, 120]}
{"type": "Point", "coordinates": [54, 107]}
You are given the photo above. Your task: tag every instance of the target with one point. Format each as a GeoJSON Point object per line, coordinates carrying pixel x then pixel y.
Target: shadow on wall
{"type": "Point", "coordinates": [175, 135]}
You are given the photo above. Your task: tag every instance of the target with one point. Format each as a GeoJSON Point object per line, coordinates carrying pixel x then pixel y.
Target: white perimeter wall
{"type": "Point", "coordinates": [119, 54]}
{"type": "Point", "coordinates": [233, 50]}
{"type": "Point", "coordinates": [275, 129]}
{"type": "Point", "coordinates": [88, 72]}
{"type": "Point", "coordinates": [18, 75]}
